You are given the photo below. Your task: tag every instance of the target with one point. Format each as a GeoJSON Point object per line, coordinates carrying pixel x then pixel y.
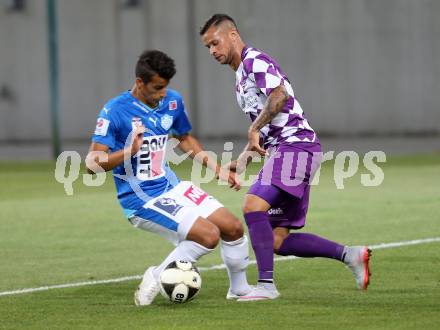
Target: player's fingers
{"type": "Point", "coordinates": [232, 168]}
{"type": "Point", "coordinates": [237, 185]}
{"type": "Point", "coordinates": [234, 183]}
{"type": "Point", "coordinates": [261, 151]}
{"type": "Point", "coordinates": [258, 149]}
{"type": "Point", "coordinates": [140, 130]}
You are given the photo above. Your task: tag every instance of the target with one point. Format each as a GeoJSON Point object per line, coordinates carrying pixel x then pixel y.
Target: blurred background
{"type": "Point", "coordinates": [367, 72]}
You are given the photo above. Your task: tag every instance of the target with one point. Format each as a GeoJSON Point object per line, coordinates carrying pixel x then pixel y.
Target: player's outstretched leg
{"type": "Point", "coordinates": [201, 239]}
{"type": "Point", "coordinates": [307, 245]}
{"type": "Point", "coordinates": [234, 251]}
{"type": "Point", "coordinates": [357, 258]}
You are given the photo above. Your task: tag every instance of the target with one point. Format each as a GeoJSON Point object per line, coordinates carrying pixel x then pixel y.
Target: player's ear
{"type": "Point", "coordinates": [233, 34]}
{"type": "Point", "coordinates": [139, 82]}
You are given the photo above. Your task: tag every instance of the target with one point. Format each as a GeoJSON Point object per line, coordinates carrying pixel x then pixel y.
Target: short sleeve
{"type": "Point", "coordinates": [264, 72]}
{"type": "Point", "coordinates": [181, 123]}
{"type": "Point", "coordinates": [105, 129]}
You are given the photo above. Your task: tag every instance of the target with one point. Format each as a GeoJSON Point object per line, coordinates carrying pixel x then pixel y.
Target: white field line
{"type": "Point", "coordinates": [203, 269]}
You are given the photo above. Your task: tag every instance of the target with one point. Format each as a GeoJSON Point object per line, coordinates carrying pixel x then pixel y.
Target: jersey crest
{"type": "Point", "coordinates": [166, 122]}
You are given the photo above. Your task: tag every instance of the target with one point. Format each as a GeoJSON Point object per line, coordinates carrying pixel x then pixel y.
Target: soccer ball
{"type": "Point", "coordinates": [180, 281]}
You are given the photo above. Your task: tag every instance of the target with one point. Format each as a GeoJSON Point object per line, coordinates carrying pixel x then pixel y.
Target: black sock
{"type": "Point", "coordinates": [265, 281]}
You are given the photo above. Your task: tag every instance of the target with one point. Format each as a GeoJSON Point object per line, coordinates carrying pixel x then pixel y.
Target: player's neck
{"type": "Point", "coordinates": [235, 63]}
{"type": "Point", "coordinates": [137, 95]}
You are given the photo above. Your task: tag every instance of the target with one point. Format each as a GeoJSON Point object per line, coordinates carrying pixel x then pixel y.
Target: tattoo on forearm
{"type": "Point", "coordinates": [274, 104]}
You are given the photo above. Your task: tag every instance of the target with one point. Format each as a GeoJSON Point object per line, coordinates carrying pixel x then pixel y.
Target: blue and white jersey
{"type": "Point", "coordinates": [146, 175]}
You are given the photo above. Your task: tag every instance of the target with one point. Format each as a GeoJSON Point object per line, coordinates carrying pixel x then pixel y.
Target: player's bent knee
{"type": "Point", "coordinates": [204, 233]}
{"type": "Point", "coordinates": [254, 203]}
{"type": "Point", "coordinates": [234, 230]}
{"type": "Point", "coordinates": [211, 238]}
{"type": "Point", "coordinates": [278, 239]}
{"type": "Point", "coordinates": [230, 227]}
{"type": "Point", "coordinates": [276, 245]}
{"type": "Point", "coordinates": [238, 230]}
{"type": "Point", "coordinates": [208, 237]}
{"type": "Point", "coordinates": [248, 208]}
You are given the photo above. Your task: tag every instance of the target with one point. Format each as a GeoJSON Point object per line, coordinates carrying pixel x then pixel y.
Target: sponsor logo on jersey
{"type": "Point", "coordinates": [172, 105]}
{"type": "Point", "coordinates": [102, 126]}
{"type": "Point", "coordinates": [169, 205]}
{"type": "Point", "coordinates": [276, 211]}
{"type": "Point", "coordinates": [250, 101]}
{"type": "Point", "coordinates": [166, 122]}
{"type": "Point", "coordinates": [153, 120]}
{"type": "Point", "coordinates": [242, 102]}
{"type": "Point", "coordinates": [151, 157]}
{"type": "Point", "coordinates": [195, 195]}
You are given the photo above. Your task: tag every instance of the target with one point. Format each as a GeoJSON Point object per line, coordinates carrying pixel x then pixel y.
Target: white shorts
{"type": "Point", "coordinates": [172, 214]}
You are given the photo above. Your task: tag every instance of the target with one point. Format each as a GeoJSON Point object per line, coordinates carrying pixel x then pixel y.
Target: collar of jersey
{"type": "Point", "coordinates": [244, 52]}
{"type": "Point", "coordinates": [143, 105]}
{"type": "Point", "coordinates": [243, 55]}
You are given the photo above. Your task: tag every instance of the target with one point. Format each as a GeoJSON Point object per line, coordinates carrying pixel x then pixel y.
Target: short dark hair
{"type": "Point", "coordinates": [153, 62]}
{"type": "Point", "coordinates": [215, 20]}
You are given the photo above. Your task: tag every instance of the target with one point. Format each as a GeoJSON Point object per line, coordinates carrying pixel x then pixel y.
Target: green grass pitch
{"type": "Point", "coordinates": [49, 238]}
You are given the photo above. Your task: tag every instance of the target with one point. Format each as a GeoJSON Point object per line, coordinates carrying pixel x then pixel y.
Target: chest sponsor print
{"type": "Point", "coordinates": [151, 158]}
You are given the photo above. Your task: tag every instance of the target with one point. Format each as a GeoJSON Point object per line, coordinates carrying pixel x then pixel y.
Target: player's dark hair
{"type": "Point", "coordinates": [153, 62]}
{"type": "Point", "coordinates": [215, 20]}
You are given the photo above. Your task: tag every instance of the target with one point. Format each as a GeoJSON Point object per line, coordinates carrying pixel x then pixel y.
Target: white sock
{"type": "Point", "coordinates": [236, 258]}
{"type": "Point", "coordinates": [268, 286]}
{"type": "Point", "coordinates": [185, 250]}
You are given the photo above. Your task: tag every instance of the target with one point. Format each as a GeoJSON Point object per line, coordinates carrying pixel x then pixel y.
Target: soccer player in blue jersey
{"type": "Point", "coordinates": [278, 200]}
{"type": "Point", "coordinates": [130, 139]}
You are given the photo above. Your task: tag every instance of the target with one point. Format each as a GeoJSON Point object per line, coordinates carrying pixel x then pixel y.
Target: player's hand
{"type": "Point", "coordinates": [230, 177]}
{"type": "Point", "coordinates": [231, 166]}
{"type": "Point", "coordinates": [238, 166]}
{"type": "Point", "coordinates": [254, 142]}
{"type": "Point", "coordinates": [137, 139]}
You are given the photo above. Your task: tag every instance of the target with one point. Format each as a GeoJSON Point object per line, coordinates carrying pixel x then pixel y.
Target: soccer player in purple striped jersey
{"type": "Point", "coordinates": [277, 202]}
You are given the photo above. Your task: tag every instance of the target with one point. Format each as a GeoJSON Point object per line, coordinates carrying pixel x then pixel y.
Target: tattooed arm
{"type": "Point", "coordinates": [274, 104]}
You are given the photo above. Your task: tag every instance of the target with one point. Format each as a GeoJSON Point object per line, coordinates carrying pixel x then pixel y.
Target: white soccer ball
{"type": "Point", "coordinates": [180, 281]}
